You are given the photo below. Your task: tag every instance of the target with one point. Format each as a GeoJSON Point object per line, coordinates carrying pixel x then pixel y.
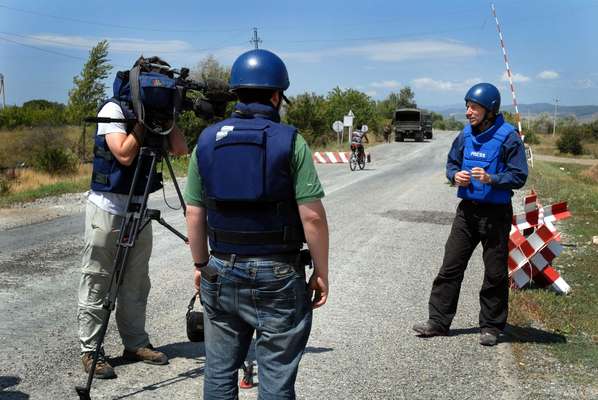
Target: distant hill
{"type": "Point", "coordinates": [582, 113]}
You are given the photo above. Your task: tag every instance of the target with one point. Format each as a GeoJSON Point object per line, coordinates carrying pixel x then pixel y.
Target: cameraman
{"type": "Point", "coordinates": [115, 160]}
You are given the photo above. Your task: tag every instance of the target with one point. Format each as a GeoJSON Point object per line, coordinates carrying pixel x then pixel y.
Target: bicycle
{"type": "Point", "coordinates": [357, 158]}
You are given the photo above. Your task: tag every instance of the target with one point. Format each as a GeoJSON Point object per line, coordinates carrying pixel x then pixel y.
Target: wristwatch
{"type": "Point", "coordinates": [200, 265]}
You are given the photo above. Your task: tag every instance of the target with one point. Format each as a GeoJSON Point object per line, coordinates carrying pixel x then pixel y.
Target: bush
{"type": "Point", "coordinates": [531, 137]}
{"type": "Point", "coordinates": [570, 142]}
{"type": "Point", "coordinates": [49, 150]}
{"type": "Point", "coordinates": [56, 161]}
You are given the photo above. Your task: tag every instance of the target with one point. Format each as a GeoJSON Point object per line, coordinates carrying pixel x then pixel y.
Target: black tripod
{"type": "Point", "coordinates": [138, 216]}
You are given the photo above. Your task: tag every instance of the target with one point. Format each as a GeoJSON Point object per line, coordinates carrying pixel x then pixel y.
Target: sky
{"type": "Point", "coordinates": [439, 48]}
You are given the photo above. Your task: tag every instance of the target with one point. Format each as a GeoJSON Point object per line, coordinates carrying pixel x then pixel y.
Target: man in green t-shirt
{"type": "Point", "coordinates": [254, 193]}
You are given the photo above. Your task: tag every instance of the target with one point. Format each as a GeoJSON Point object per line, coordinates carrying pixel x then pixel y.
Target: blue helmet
{"type": "Point", "coordinates": [486, 95]}
{"type": "Point", "coordinates": [259, 69]}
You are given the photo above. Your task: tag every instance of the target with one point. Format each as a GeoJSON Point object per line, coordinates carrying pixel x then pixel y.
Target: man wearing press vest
{"type": "Point", "coordinates": [254, 193]}
{"type": "Point", "coordinates": [486, 162]}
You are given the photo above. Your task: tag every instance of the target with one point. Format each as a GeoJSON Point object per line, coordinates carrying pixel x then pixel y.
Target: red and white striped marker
{"type": "Point", "coordinates": [333, 157]}
{"type": "Point", "coordinates": [509, 74]}
{"type": "Point", "coordinates": [531, 257]}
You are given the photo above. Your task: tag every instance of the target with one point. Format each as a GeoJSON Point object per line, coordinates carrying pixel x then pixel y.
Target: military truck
{"type": "Point", "coordinates": [412, 123]}
{"type": "Point", "coordinates": [427, 119]}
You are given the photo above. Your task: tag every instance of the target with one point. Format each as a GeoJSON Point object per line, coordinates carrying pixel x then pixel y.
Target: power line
{"type": "Point", "coordinates": [87, 47]}
{"type": "Point", "coordinates": [389, 37]}
{"type": "Point", "coordinates": [128, 27]}
{"type": "Point", "coordinates": [85, 59]}
{"type": "Point", "coordinates": [42, 49]}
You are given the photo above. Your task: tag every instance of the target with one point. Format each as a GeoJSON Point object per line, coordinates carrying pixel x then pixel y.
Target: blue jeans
{"type": "Point", "coordinates": [268, 297]}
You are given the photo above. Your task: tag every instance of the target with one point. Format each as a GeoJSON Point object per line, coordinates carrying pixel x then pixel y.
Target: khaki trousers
{"type": "Point", "coordinates": [101, 236]}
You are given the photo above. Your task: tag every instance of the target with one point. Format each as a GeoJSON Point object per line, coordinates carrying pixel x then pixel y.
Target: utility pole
{"type": "Point", "coordinates": [255, 39]}
{"type": "Point", "coordinates": [556, 104]}
{"type": "Point", "coordinates": [2, 91]}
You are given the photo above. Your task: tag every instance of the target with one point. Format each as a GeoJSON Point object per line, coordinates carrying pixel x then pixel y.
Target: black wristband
{"type": "Point", "coordinates": [200, 265]}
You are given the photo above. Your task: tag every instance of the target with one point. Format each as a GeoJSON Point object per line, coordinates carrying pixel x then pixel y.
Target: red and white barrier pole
{"type": "Point", "coordinates": [509, 74]}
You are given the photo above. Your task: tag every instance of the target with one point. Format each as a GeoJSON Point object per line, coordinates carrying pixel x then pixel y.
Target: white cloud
{"type": "Point", "coordinates": [586, 84]}
{"type": "Point", "coordinates": [392, 84]}
{"type": "Point", "coordinates": [548, 74]}
{"type": "Point", "coordinates": [516, 77]}
{"type": "Point", "coordinates": [444, 86]}
{"type": "Point", "coordinates": [388, 51]}
{"type": "Point", "coordinates": [371, 93]}
{"type": "Point", "coordinates": [120, 45]}
{"type": "Point", "coordinates": [410, 50]}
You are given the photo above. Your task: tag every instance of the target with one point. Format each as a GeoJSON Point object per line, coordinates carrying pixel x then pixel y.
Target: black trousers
{"type": "Point", "coordinates": [489, 224]}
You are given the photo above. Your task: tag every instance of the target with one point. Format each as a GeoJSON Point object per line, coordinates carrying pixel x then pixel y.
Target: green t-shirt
{"type": "Point", "coordinates": [307, 184]}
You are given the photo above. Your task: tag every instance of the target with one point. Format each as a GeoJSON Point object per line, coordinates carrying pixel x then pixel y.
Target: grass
{"type": "Point", "coordinates": [30, 185]}
{"type": "Point", "coordinates": [574, 316]}
{"type": "Point", "coordinates": [547, 146]}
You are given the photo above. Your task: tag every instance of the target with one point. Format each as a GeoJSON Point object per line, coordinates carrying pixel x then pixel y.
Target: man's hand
{"type": "Point", "coordinates": [481, 175]}
{"type": "Point", "coordinates": [318, 289]}
{"type": "Point", "coordinates": [197, 279]}
{"type": "Point", "coordinates": [462, 178]}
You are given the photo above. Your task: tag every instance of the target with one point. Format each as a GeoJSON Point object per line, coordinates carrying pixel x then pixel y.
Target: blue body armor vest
{"type": "Point", "coordinates": [244, 163]}
{"type": "Point", "coordinates": [483, 150]}
{"type": "Point", "coordinates": [111, 176]}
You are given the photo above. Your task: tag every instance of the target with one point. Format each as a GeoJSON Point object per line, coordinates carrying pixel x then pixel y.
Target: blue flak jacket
{"type": "Point", "coordinates": [485, 150]}
{"type": "Point", "coordinates": [109, 175]}
{"type": "Point", "coordinates": [244, 163]}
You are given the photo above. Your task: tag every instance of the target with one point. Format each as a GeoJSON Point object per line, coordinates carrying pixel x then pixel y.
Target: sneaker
{"type": "Point", "coordinates": [428, 329]}
{"type": "Point", "coordinates": [103, 370]}
{"type": "Point", "coordinates": [488, 337]}
{"type": "Point", "coordinates": [147, 355]}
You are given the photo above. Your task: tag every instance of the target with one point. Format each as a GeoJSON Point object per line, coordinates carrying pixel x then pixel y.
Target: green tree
{"type": "Point", "coordinates": [89, 90]}
{"type": "Point", "coordinates": [191, 125]}
{"type": "Point", "coordinates": [406, 98]}
{"type": "Point", "coordinates": [209, 68]}
{"type": "Point", "coordinates": [341, 101]}
{"type": "Point", "coordinates": [308, 113]}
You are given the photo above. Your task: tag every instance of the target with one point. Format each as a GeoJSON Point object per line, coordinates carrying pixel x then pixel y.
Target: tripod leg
{"type": "Point", "coordinates": [108, 306]}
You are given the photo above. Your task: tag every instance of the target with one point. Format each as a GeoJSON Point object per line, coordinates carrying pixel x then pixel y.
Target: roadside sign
{"type": "Point", "coordinates": [348, 119]}
{"type": "Point", "coordinates": [337, 126]}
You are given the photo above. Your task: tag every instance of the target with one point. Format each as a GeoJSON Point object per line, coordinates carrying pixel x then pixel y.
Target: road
{"type": "Point", "coordinates": [388, 225]}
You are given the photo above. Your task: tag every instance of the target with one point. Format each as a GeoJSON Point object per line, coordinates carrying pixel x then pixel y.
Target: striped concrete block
{"type": "Point", "coordinates": [333, 157]}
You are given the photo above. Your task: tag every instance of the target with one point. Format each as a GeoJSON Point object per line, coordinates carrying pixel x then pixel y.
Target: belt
{"type": "Point", "coordinates": [290, 258]}
{"type": "Point", "coordinates": [480, 204]}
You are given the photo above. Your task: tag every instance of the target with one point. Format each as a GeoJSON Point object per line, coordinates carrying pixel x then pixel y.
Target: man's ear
{"type": "Point", "coordinates": [276, 99]}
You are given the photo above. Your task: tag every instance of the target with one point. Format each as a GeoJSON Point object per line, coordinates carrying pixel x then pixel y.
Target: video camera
{"type": "Point", "coordinates": [154, 94]}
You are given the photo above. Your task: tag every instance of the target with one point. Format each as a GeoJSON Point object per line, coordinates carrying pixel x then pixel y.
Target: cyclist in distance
{"type": "Point", "coordinates": [357, 138]}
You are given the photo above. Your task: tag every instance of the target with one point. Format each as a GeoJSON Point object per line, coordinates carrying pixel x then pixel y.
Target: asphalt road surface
{"type": "Point", "coordinates": [388, 225]}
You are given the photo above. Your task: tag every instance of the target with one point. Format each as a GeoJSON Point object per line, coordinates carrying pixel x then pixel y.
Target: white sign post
{"type": "Point", "coordinates": [337, 126]}
{"type": "Point", "coordinates": [348, 122]}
